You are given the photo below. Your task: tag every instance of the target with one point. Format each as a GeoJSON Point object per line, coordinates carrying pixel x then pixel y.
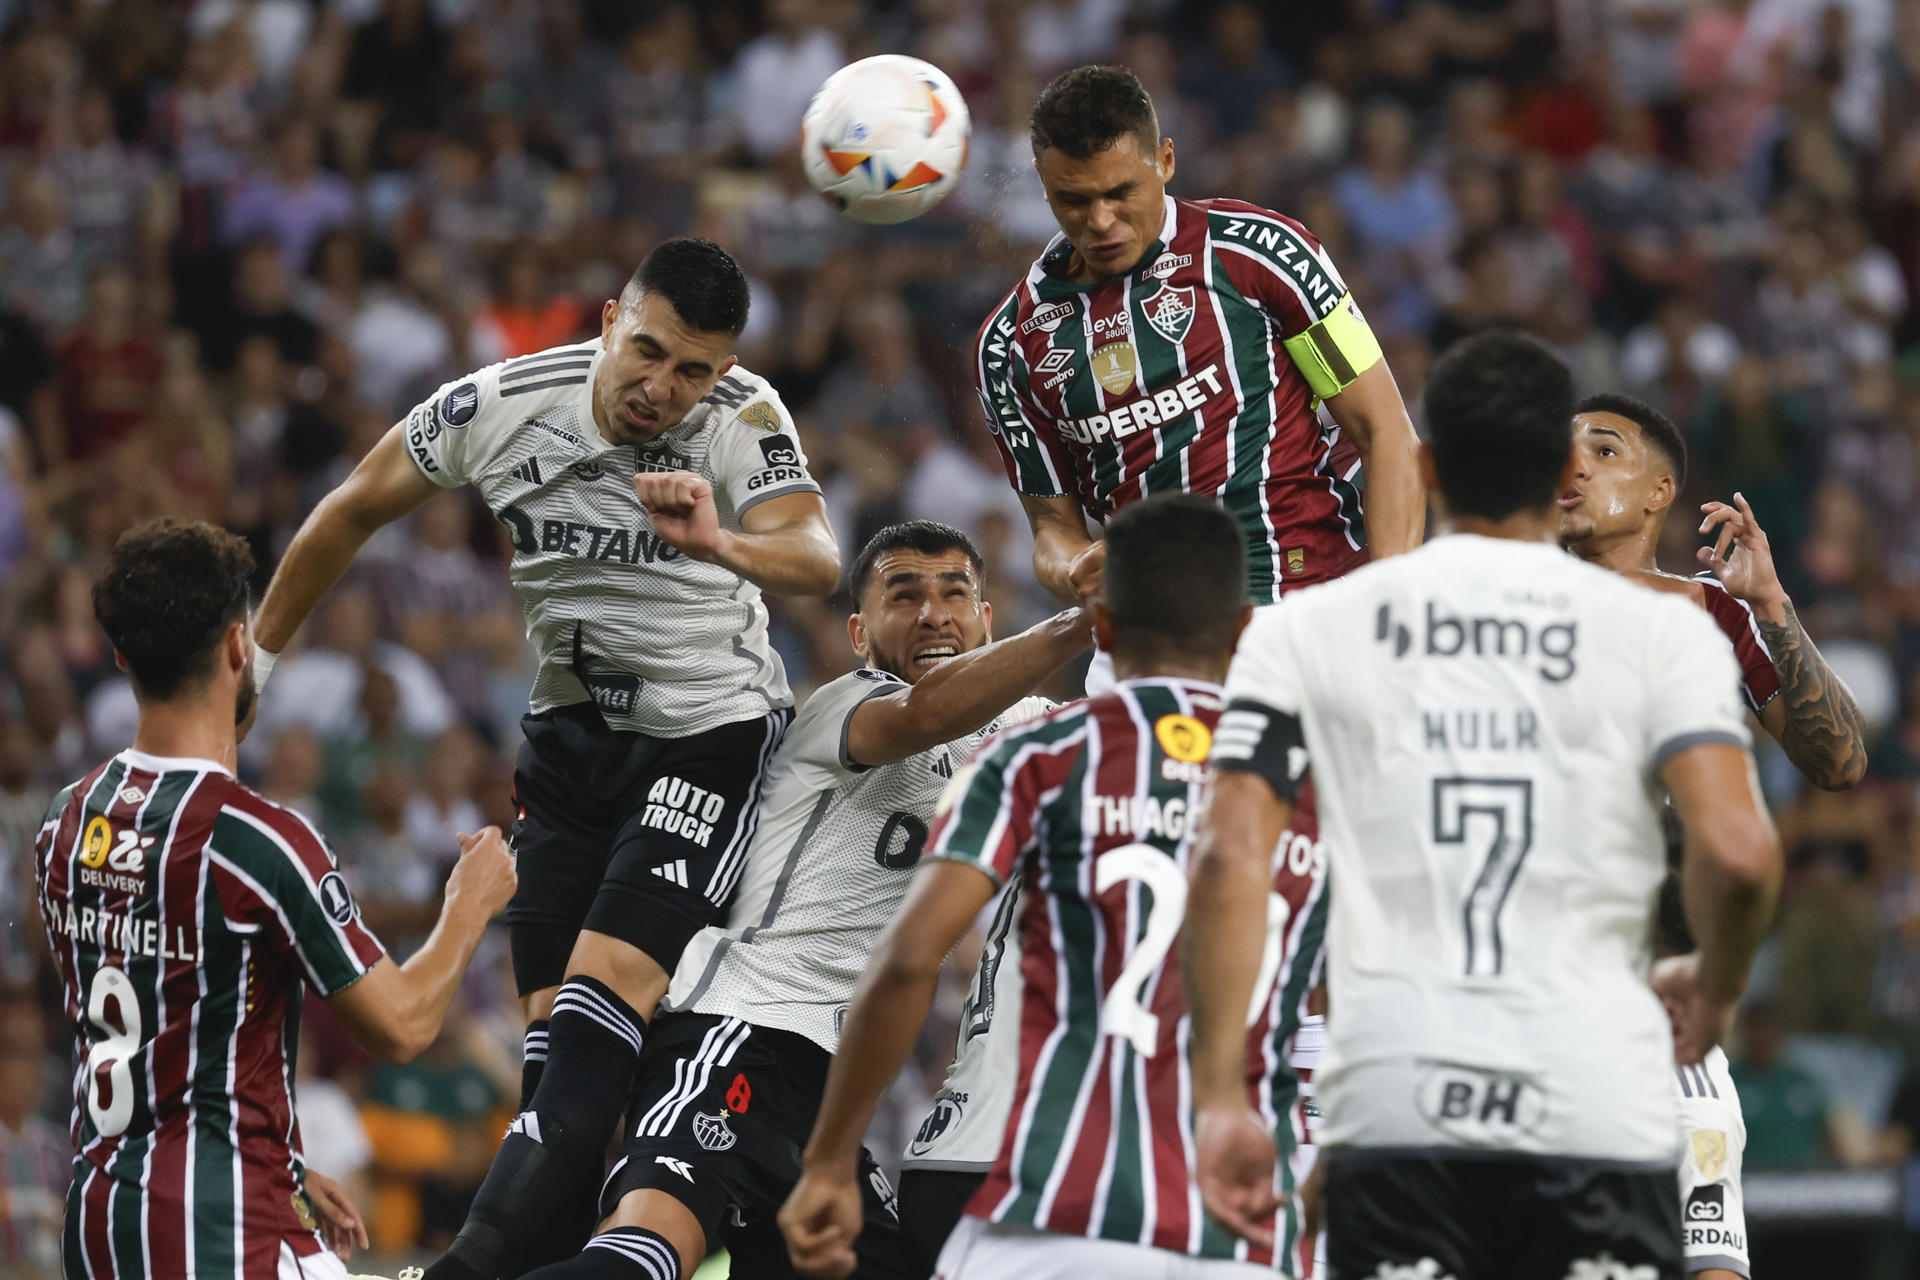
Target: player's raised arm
{"type": "Point", "coordinates": [384, 487]}
{"type": "Point", "coordinates": [783, 545]}
{"type": "Point", "coordinates": [396, 1010]}
{"type": "Point", "coordinates": [962, 693]}
{"type": "Point", "coordinates": [1815, 719]}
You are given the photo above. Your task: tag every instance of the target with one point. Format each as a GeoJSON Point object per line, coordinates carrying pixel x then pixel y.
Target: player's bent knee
{"type": "Point", "coordinates": [663, 1216]}
{"type": "Point", "coordinates": [635, 976]}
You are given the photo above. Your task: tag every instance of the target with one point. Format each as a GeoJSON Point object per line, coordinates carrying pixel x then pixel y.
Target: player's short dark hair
{"type": "Point", "coordinates": [702, 281]}
{"type": "Point", "coordinates": [928, 537]}
{"type": "Point", "coordinates": [1655, 427]}
{"type": "Point", "coordinates": [170, 591]}
{"type": "Point", "coordinates": [1499, 410]}
{"type": "Point", "coordinates": [1088, 109]}
{"type": "Point", "coordinates": [1176, 575]}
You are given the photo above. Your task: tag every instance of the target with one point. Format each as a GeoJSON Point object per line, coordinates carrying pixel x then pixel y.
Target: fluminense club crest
{"type": "Point", "coordinates": [1170, 312]}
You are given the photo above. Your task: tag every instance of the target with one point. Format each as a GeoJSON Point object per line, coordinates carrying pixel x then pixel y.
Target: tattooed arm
{"type": "Point", "coordinates": [1815, 718]}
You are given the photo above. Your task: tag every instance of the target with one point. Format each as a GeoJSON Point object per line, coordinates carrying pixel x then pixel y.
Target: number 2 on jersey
{"type": "Point", "coordinates": [1123, 1013]}
{"type": "Point", "coordinates": [107, 1060]}
{"type": "Point", "coordinates": [1508, 803]}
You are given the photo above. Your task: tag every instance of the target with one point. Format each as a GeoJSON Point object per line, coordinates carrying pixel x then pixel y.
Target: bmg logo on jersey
{"type": "Point", "coordinates": [679, 808]}
{"type": "Point", "coordinates": [1449, 636]}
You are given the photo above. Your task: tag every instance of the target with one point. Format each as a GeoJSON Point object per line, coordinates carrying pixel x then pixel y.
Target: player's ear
{"type": "Point", "coordinates": [986, 618]}
{"type": "Point", "coordinates": [607, 313]}
{"type": "Point", "coordinates": [1164, 159]}
{"type": "Point", "coordinates": [857, 636]}
{"type": "Point", "coordinates": [237, 647]}
{"type": "Point", "coordinates": [1661, 494]}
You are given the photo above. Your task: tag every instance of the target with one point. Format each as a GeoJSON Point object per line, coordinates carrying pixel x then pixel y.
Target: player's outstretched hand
{"type": "Point", "coordinates": [680, 505]}
{"type": "Point", "coordinates": [1085, 571]}
{"type": "Point", "coordinates": [821, 1220]}
{"type": "Point", "coordinates": [1740, 556]}
{"type": "Point", "coordinates": [1698, 1023]}
{"type": "Point", "coordinates": [339, 1220]}
{"type": "Point", "coordinates": [1235, 1163]}
{"type": "Point", "coordinates": [485, 876]}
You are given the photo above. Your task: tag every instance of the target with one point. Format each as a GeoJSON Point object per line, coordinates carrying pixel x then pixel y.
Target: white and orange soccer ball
{"type": "Point", "coordinates": [885, 139]}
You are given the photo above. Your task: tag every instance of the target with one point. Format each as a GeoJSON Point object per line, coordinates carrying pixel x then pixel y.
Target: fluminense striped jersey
{"type": "Point", "coordinates": [1174, 378]}
{"type": "Point", "coordinates": [187, 917]}
{"type": "Point", "coordinates": [1089, 809]}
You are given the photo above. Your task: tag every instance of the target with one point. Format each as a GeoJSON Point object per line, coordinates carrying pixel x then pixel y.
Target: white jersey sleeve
{"type": "Point", "coordinates": [756, 450]}
{"type": "Point", "coordinates": [1692, 688]}
{"type": "Point", "coordinates": [1713, 1218]}
{"type": "Point", "coordinates": [454, 433]}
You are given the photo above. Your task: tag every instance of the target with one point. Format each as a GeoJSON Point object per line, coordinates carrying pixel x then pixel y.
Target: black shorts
{"type": "Point", "coordinates": [1485, 1216]}
{"type": "Point", "coordinates": [932, 1201]}
{"type": "Point", "coordinates": [720, 1112]}
{"type": "Point", "coordinates": [639, 838]}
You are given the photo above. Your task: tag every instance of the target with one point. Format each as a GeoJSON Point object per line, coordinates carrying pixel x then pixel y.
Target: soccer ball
{"type": "Point", "coordinates": [885, 139]}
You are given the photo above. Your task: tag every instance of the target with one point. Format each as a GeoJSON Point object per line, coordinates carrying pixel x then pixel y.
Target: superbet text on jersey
{"type": "Point", "coordinates": [1200, 371]}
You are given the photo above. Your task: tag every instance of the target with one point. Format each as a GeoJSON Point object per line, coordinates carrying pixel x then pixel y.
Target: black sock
{"type": "Point", "coordinates": [557, 1145]}
{"type": "Point", "coordinates": [624, 1253]}
{"type": "Point", "coordinates": [533, 1061]}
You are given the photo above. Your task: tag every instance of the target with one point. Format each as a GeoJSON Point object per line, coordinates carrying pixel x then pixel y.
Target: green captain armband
{"type": "Point", "coordinates": [1335, 352]}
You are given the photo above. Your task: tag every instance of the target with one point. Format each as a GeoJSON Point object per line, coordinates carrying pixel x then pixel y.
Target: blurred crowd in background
{"type": "Point", "coordinates": [240, 238]}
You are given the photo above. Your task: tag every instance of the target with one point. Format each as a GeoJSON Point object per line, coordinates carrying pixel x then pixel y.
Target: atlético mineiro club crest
{"type": "Point", "coordinates": [1170, 312]}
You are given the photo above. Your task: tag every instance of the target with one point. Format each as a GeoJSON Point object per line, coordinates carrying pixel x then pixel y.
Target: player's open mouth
{"type": "Point", "coordinates": [937, 654]}
{"type": "Point", "coordinates": [639, 415]}
{"type": "Point", "coordinates": [1571, 499]}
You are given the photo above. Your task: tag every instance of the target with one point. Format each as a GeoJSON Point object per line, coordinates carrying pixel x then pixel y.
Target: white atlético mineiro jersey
{"type": "Point", "coordinates": [663, 644]}
{"type": "Point", "coordinates": [1713, 1133]}
{"type": "Point", "coordinates": [829, 863]}
{"type": "Point", "coordinates": [1485, 720]}
{"type": "Point", "coordinates": [963, 1129]}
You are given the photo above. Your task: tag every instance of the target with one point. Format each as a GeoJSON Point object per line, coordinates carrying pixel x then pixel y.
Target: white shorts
{"type": "Point", "coordinates": [324, 1265]}
{"type": "Point", "coordinates": [981, 1250]}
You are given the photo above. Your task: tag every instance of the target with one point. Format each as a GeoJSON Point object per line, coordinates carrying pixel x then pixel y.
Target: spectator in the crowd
{"type": "Point", "coordinates": [35, 1156]}
{"type": "Point", "coordinates": [1400, 218]}
{"type": "Point", "coordinates": [1790, 1119]}
{"type": "Point", "coordinates": [526, 314]}
{"type": "Point", "coordinates": [883, 387]}
{"type": "Point", "coordinates": [109, 367]}
{"type": "Point", "coordinates": [776, 74]}
{"type": "Point", "coordinates": [291, 200]}
{"type": "Point", "coordinates": [111, 188]}
{"type": "Point", "coordinates": [1232, 74]}
{"type": "Point", "coordinates": [1678, 357]}
{"type": "Point", "coordinates": [401, 341]}
{"type": "Point", "coordinates": [260, 302]}
{"type": "Point", "coordinates": [43, 266]}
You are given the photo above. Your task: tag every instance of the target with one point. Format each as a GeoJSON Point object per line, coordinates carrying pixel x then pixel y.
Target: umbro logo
{"type": "Point", "coordinates": [132, 795]}
{"type": "Point", "coordinates": [1052, 361]}
{"type": "Point", "coordinates": [528, 471]}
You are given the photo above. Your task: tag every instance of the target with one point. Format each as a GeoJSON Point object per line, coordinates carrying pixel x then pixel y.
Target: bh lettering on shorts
{"type": "Point", "coordinates": [679, 808]}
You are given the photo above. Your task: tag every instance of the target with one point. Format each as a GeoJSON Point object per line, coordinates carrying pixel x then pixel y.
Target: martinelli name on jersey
{"type": "Point", "coordinates": [1200, 371]}
{"type": "Point", "coordinates": [662, 643]}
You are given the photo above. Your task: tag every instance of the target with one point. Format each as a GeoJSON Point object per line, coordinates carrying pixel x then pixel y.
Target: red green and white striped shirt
{"type": "Point", "coordinates": [1174, 378]}
{"type": "Point", "coordinates": [187, 916]}
{"type": "Point", "coordinates": [1091, 807]}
